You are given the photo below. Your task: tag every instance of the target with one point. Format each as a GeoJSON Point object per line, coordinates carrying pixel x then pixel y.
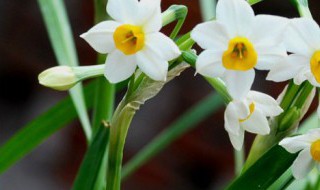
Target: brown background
{"type": "Point", "coordinates": [201, 159]}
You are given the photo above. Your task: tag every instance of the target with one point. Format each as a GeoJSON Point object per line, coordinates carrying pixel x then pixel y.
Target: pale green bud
{"type": "Point", "coordinates": [64, 77]}
{"type": "Point", "coordinates": [58, 78]}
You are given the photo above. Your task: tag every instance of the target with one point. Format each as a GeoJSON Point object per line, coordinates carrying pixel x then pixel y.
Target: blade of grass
{"type": "Point", "coordinates": [265, 171]}
{"type": "Point", "coordinates": [274, 163]}
{"type": "Point", "coordinates": [103, 107]}
{"type": "Point", "coordinates": [93, 159]}
{"type": "Point", "coordinates": [35, 132]}
{"type": "Point", "coordinates": [183, 124]}
{"type": "Point", "coordinates": [58, 27]}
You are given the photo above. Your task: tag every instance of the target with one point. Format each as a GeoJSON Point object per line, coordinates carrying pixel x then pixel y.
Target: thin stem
{"type": "Point", "coordinates": [238, 161]}
{"type": "Point", "coordinates": [289, 96]}
{"type": "Point", "coordinates": [299, 103]}
{"type": "Point", "coordinates": [119, 127]}
{"type": "Point", "coordinates": [208, 9]}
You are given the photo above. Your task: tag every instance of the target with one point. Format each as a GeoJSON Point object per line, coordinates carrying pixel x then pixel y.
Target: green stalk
{"type": "Point", "coordinates": [104, 98]}
{"type": "Point", "coordinates": [105, 91]}
{"type": "Point", "coordinates": [119, 127]}
{"type": "Point", "coordinates": [238, 161]}
{"type": "Point", "coordinates": [208, 9]}
{"type": "Point", "coordinates": [125, 111]}
{"type": "Point", "coordinates": [186, 122]}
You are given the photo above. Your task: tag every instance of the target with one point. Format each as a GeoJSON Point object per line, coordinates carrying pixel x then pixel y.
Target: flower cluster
{"type": "Point", "coordinates": [235, 44]}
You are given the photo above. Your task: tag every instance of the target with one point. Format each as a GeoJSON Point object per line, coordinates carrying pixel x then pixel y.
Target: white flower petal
{"type": "Point", "coordinates": [269, 56]}
{"type": "Point", "coordinates": [125, 11]}
{"type": "Point", "coordinates": [261, 25]}
{"type": "Point", "coordinates": [162, 46]}
{"type": "Point", "coordinates": [236, 15]}
{"type": "Point", "coordinates": [239, 82]}
{"type": "Point", "coordinates": [150, 15]}
{"type": "Point", "coordinates": [296, 143]}
{"type": "Point", "coordinates": [209, 64]}
{"type": "Point", "coordinates": [100, 37]}
{"type": "Point", "coordinates": [211, 35]}
{"type": "Point", "coordinates": [265, 103]}
{"type": "Point", "coordinates": [302, 36]}
{"type": "Point", "coordinates": [257, 123]}
{"type": "Point", "coordinates": [235, 110]}
{"type": "Point", "coordinates": [303, 164]}
{"type": "Point", "coordinates": [119, 66]}
{"type": "Point", "coordinates": [313, 135]}
{"type": "Point", "coordinates": [237, 140]}
{"type": "Point", "coordinates": [307, 75]}
{"type": "Point", "coordinates": [288, 68]}
{"type": "Point", "coordinates": [152, 65]}
{"type": "Point", "coordinates": [302, 75]}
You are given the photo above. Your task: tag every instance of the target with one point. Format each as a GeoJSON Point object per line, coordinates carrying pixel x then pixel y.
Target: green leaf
{"type": "Point", "coordinates": [58, 27]}
{"type": "Point", "coordinates": [265, 171]}
{"type": "Point", "coordinates": [183, 124]}
{"type": "Point", "coordinates": [272, 166]}
{"type": "Point", "coordinates": [34, 133]}
{"type": "Point", "coordinates": [94, 158]}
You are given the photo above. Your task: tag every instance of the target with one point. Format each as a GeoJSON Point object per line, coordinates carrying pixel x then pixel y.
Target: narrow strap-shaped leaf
{"type": "Point", "coordinates": [34, 133]}
{"type": "Point", "coordinates": [265, 171]}
{"type": "Point", "coordinates": [184, 123]}
{"type": "Point", "coordinates": [58, 27]}
{"type": "Point", "coordinates": [94, 158]}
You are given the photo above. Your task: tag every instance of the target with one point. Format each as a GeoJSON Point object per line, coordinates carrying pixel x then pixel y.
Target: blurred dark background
{"type": "Point", "coordinates": [201, 159]}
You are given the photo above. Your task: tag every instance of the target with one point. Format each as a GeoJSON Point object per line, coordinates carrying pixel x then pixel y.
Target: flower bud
{"type": "Point", "coordinates": [58, 78]}
{"type": "Point", "coordinates": [290, 118]}
{"type": "Point", "coordinates": [64, 77]}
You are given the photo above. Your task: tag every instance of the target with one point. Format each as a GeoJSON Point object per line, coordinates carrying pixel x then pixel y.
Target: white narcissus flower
{"type": "Point", "coordinates": [309, 156]}
{"type": "Point", "coordinates": [237, 42]}
{"type": "Point", "coordinates": [132, 39]}
{"type": "Point", "coordinates": [302, 39]}
{"type": "Point", "coordinates": [249, 114]}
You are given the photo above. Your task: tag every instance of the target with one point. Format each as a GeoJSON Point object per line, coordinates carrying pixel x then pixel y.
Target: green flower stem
{"type": "Point", "coordinates": [125, 111]}
{"type": "Point", "coordinates": [185, 123]}
{"type": "Point", "coordinates": [252, 2]}
{"type": "Point", "coordinates": [104, 98]}
{"type": "Point", "coordinates": [119, 127]}
{"type": "Point", "coordinates": [289, 96]}
{"type": "Point", "coordinates": [208, 9]}
{"type": "Point", "coordinates": [299, 103]}
{"type": "Point", "coordinates": [238, 161]}
{"type": "Point", "coordinates": [302, 7]}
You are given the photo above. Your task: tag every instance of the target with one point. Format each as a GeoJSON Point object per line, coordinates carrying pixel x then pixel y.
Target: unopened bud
{"type": "Point", "coordinates": [64, 77]}
{"type": "Point", "coordinates": [59, 78]}
{"type": "Point", "coordinates": [290, 118]}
